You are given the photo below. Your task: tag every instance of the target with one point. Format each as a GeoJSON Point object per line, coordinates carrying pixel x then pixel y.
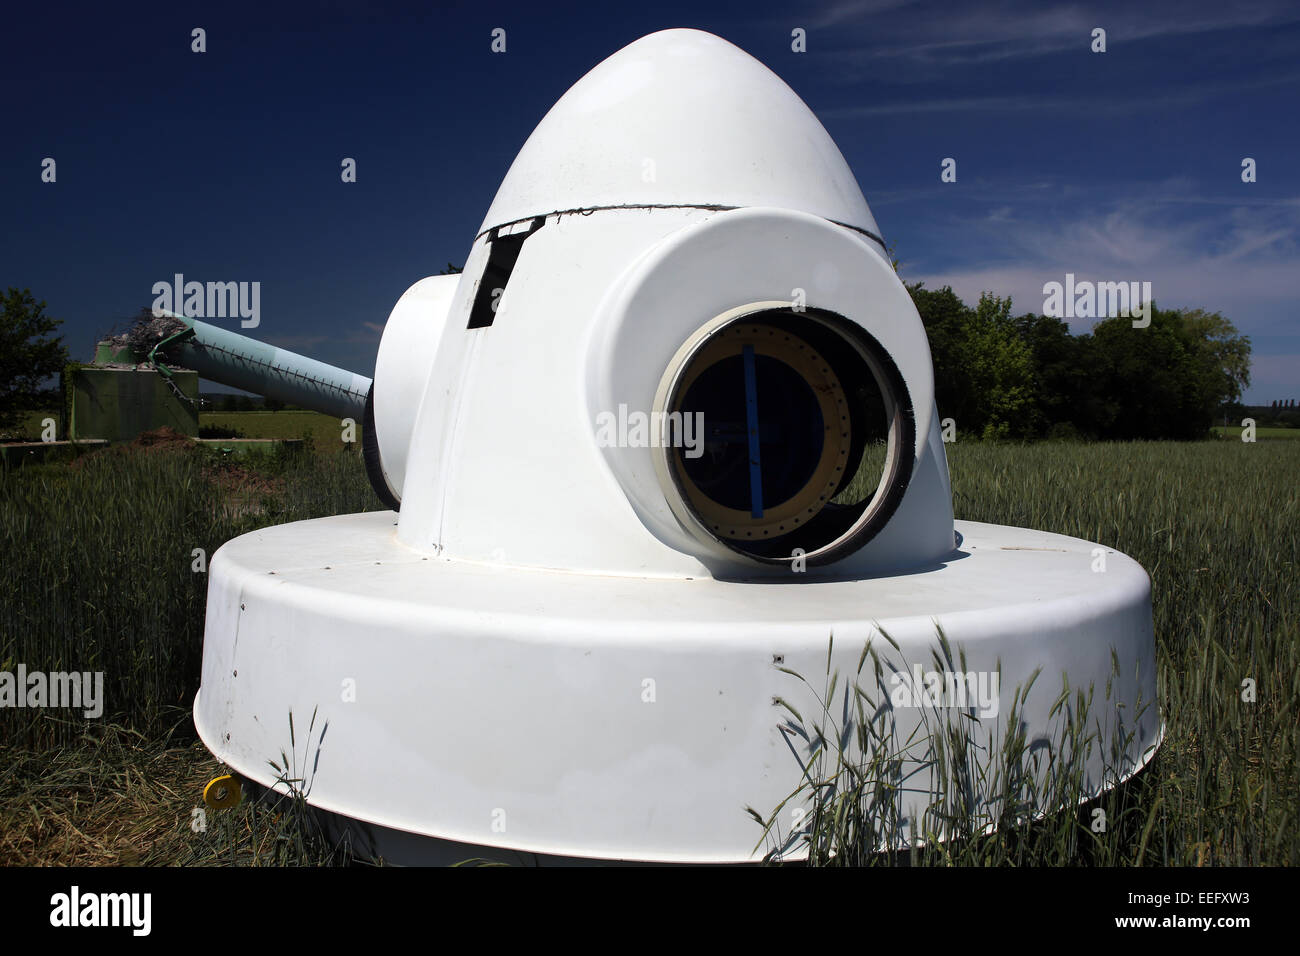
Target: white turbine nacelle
{"type": "Point", "coordinates": [623, 441]}
{"type": "Point", "coordinates": [593, 289]}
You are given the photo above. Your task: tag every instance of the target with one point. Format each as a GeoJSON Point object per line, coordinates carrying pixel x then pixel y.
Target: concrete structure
{"type": "Point", "coordinates": [118, 402]}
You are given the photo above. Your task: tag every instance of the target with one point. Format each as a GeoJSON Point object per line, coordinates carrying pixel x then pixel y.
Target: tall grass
{"type": "Point", "coordinates": [96, 574]}
{"type": "Point", "coordinates": [946, 789]}
{"type": "Point", "coordinates": [100, 571]}
{"type": "Point", "coordinates": [1217, 526]}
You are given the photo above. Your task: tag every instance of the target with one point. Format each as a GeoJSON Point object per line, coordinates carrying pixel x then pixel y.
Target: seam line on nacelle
{"type": "Point", "coordinates": [588, 210]}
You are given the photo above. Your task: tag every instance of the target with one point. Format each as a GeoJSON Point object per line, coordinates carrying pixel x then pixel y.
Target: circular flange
{"type": "Point", "coordinates": [786, 356]}
{"type": "Point", "coordinates": [817, 365]}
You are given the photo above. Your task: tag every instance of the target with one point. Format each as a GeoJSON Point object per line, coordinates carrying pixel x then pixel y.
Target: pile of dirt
{"type": "Point", "coordinates": [164, 439]}
{"type": "Point", "coordinates": [228, 475]}
{"type": "Point", "coordinates": [161, 440]}
{"type": "Point", "coordinates": [241, 488]}
{"type": "Point", "coordinates": [235, 479]}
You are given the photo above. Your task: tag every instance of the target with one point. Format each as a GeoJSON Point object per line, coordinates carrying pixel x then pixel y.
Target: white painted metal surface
{"type": "Point", "coordinates": [537, 654]}
{"type": "Point", "coordinates": [680, 117]}
{"type": "Point", "coordinates": [406, 350]}
{"type": "Point", "coordinates": [484, 688]}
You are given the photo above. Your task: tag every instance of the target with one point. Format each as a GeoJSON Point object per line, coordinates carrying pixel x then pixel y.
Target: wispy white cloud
{"type": "Point", "coordinates": [1242, 261]}
{"type": "Point", "coordinates": [1135, 101]}
{"type": "Point", "coordinates": [936, 33]}
{"type": "Point", "coordinates": [850, 11]}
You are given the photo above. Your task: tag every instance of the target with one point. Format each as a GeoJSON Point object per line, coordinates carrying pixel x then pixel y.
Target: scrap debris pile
{"type": "Point", "coordinates": [148, 331]}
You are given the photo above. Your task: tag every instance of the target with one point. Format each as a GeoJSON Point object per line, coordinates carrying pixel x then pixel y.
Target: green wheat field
{"type": "Point", "coordinates": [97, 558]}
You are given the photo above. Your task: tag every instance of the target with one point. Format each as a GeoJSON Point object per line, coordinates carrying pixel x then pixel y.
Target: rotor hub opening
{"type": "Point", "coordinates": [806, 435]}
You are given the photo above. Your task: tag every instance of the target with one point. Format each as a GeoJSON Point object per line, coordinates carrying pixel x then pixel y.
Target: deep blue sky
{"type": "Point", "coordinates": [225, 165]}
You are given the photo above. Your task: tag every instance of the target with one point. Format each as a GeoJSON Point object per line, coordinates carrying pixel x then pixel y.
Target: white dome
{"type": "Point", "coordinates": [712, 127]}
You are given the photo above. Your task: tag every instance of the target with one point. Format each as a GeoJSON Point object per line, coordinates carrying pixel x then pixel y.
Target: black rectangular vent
{"type": "Point", "coordinates": [502, 255]}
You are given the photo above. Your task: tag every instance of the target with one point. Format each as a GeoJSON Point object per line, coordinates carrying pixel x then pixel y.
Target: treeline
{"type": "Point", "coordinates": [1274, 415]}
{"type": "Point", "coordinates": [999, 376]}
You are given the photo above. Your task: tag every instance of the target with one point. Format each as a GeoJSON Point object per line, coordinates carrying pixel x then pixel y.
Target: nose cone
{"type": "Point", "coordinates": [680, 118]}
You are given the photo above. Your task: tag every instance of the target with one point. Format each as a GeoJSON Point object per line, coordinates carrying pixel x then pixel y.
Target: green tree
{"type": "Point", "coordinates": [998, 372]}
{"type": "Point", "coordinates": [1030, 377]}
{"type": "Point", "coordinates": [943, 315]}
{"type": "Point", "coordinates": [1168, 379]}
{"type": "Point", "coordinates": [1068, 400]}
{"type": "Point", "coordinates": [1224, 352]}
{"type": "Point", "coordinates": [984, 370]}
{"type": "Point", "coordinates": [29, 356]}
